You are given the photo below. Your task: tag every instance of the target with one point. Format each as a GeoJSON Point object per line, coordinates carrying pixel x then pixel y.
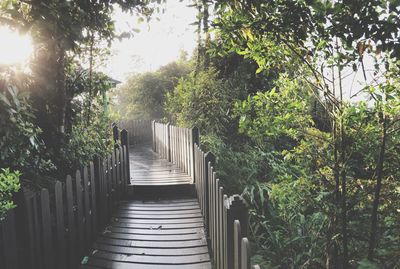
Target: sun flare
{"type": "Point", "coordinates": [15, 49]}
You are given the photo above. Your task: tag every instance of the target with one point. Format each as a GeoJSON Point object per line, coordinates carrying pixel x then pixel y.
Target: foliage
{"type": "Point", "coordinates": [143, 95]}
{"type": "Point", "coordinates": [62, 30]}
{"type": "Point", "coordinates": [20, 145]}
{"type": "Point", "coordinates": [86, 140]}
{"type": "Point", "coordinates": [279, 113]}
{"type": "Point", "coordinates": [205, 101]}
{"type": "Point", "coordinates": [9, 183]}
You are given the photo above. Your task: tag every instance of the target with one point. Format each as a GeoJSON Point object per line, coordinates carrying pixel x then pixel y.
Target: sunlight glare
{"type": "Point", "coordinates": [15, 49]}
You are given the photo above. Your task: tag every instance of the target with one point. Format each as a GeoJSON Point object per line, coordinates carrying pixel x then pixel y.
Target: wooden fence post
{"type": "Point", "coordinates": [115, 132]}
{"type": "Point", "coordinates": [245, 254]}
{"type": "Point", "coordinates": [153, 131]}
{"type": "Point", "coordinates": [168, 142]}
{"type": "Point", "coordinates": [209, 158]}
{"type": "Point", "coordinates": [236, 210]}
{"type": "Point", "coordinates": [61, 259]}
{"type": "Point", "coordinates": [9, 241]}
{"type": "Point", "coordinates": [125, 142]}
{"type": "Point", "coordinates": [195, 141]}
{"type": "Point", "coordinates": [97, 162]}
{"type": "Point", "coordinates": [47, 236]}
{"type": "Point", "coordinates": [22, 229]}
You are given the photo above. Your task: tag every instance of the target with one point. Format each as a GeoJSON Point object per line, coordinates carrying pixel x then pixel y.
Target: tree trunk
{"type": "Point", "coordinates": [61, 92]}
{"type": "Point", "coordinates": [206, 33]}
{"type": "Point", "coordinates": [343, 175]}
{"type": "Point", "coordinates": [199, 43]}
{"type": "Point", "coordinates": [379, 176]}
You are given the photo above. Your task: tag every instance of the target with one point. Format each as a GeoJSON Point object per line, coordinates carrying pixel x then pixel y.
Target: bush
{"type": "Point", "coordinates": [206, 101]}
{"type": "Point", "coordinates": [9, 183]}
{"type": "Point", "coordinates": [20, 146]}
{"type": "Point", "coordinates": [85, 142]}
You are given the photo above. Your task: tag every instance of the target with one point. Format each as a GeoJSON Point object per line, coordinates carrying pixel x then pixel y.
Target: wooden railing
{"type": "Point", "coordinates": [175, 144]}
{"type": "Point", "coordinates": [139, 130]}
{"type": "Point", "coordinates": [225, 217]}
{"type": "Point", "coordinates": [53, 228]}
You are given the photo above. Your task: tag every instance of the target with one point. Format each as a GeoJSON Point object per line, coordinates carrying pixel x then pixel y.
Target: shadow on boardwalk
{"type": "Point", "coordinates": [161, 227]}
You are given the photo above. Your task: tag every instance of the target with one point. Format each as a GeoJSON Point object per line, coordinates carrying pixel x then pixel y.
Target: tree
{"type": "Point", "coordinates": [60, 29]}
{"type": "Point", "coordinates": [143, 95]}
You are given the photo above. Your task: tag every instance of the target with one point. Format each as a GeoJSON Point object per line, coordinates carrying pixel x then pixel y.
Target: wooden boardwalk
{"type": "Point", "coordinates": [147, 169]}
{"type": "Point", "coordinates": [166, 233]}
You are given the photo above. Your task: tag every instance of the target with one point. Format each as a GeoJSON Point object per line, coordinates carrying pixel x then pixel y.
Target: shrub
{"type": "Point", "coordinates": [9, 183]}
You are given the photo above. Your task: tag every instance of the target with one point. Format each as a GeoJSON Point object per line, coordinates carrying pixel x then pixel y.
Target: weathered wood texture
{"type": "Point", "coordinates": [152, 234]}
{"type": "Point", "coordinates": [175, 145]}
{"type": "Point", "coordinates": [140, 131]}
{"type": "Point", "coordinates": [147, 169]}
{"type": "Point", "coordinates": [54, 227]}
{"type": "Point", "coordinates": [220, 212]}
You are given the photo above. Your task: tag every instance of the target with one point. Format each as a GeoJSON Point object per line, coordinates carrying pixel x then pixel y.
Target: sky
{"type": "Point", "coordinates": [158, 42]}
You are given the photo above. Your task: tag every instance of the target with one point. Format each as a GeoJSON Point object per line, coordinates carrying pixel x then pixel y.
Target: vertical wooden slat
{"type": "Point", "coordinates": [125, 142]}
{"type": "Point", "coordinates": [86, 208]}
{"type": "Point", "coordinates": [93, 195]}
{"type": "Point", "coordinates": [48, 255]}
{"type": "Point", "coordinates": [72, 232]}
{"type": "Point", "coordinates": [9, 241]}
{"type": "Point", "coordinates": [60, 226]}
{"type": "Point", "coordinates": [113, 180]}
{"type": "Point", "coordinates": [79, 212]}
{"type": "Point", "coordinates": [224, 232]}
{"type": "Point", "coordinates": [237, 241]}
{"type": "Point", "coordinates": [98, 178]}
{"type": "Point", "coordinates": [220, 239]}
{"type": "Point", "coordinates": [245, 254]}
{"type": "Point", "coordinates": [31, 232]}
{"type": "Point", "coordinates": [236, 210]}
{"type": "Point", "coordinates": [108, 183]}
{"type": "Point", "coordinates": [117, 175]}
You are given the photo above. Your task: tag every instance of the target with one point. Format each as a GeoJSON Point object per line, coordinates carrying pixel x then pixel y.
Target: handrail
{"type": "Point", "coordinates": [225, 218]}
{"type": "Point", "coordinates": [175, 144]}
{"type": "Point", "coordinates": [53, 228]}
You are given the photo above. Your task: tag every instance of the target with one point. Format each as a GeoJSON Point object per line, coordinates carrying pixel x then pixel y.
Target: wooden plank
{"type": "Point", "coordinates": [162, 182]}
{"type": "Point", "coordinates": [166, 177]}
{"type": "Point", "coordinates": [86, 208]}
{"type": "Point", "coordinates": [152, 237]}
{"type": "Point", "coordinates": [9, 241]}
{"type": "Point", "coordinates": [113, 181]}
{"type": "Point", "coordinates": [61, 261]}
{"type": "Point", "coordinates": [156, 260]}
{"type": "Point", "coordinates": [155, 208]}
{"type": "Point", "coordinates": [151, 244]}
{"type": "Point", "coordinates": [79, 212]}
{"type": "Point", "coordinates": [31, 231]}
{"type": "Point", "coordinates": [155, 231]}
{"type": "Point", "coordinates": [151, 251]}
{"type": "Point", "coordinates": [167, 202]}
{"type": "Point", "coordinates": [156, 216]}
{"type": "Point", "coordinates": [158, 221]}
{"type": "Point", "coordinates": [93, 209]}
{"type": "Point", "coordinates": [154, 226]}
{"type": "Point", "coordinates": [159, 212]}
{"type": "Point", "coordinates": [48, 249]}
{"type": "Point", "coordinates": [102, 263]}
{"type": "Point", "coordinates": [71, 221]}
{"type": "Point", "coordinates": [117, 175]}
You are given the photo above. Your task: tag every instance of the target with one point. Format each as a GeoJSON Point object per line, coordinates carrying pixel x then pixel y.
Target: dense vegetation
{"type": "Point", "coordinates": [271, 95]}
{"type": "Point", "coordinates": [53, 115]}
{"type": "Point", "coordinates": [270, 91]}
